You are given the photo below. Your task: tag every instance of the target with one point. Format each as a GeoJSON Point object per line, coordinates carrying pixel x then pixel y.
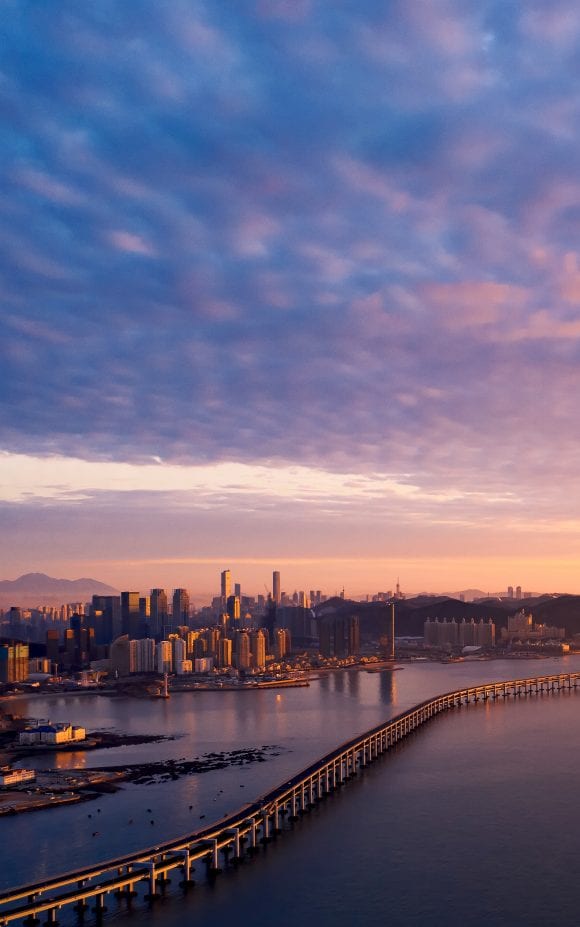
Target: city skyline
{"type": "Point", "coordinates": [286, 286]}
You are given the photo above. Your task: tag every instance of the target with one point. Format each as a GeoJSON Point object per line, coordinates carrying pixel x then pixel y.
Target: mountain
{"type": "Point", "coordinates": [561, 611]}
{"type": "Point", "coordinates": [38, 589]}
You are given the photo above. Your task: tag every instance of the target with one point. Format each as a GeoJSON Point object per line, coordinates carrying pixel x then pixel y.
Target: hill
{"type": "Point", "coordinates": [38, 589]}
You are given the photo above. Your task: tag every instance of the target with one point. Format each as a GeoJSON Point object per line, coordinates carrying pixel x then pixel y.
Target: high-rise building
{"type": "Point", "coordinates": [120, 656]}
{"type": "Point", "coordinates": [510, 592]}
{"type": "Point", "coordinates": [238, 590]}
{"type": "Point", "coordinates": [276, 586]}
{"type": "Point", "coordinates": [178, 653]}
{"type": "Point", "coordinates": [13, 662]}
{"type": "Point", "coordinates": [131, 622]}
{"type": "Point", "coordinates": [282, 643]}
{"type": "Point", "coordinates": [339, 636]}
{"type": "Point", "coordinates": [242, 654]}
{"type": "Point", "coordinates": [142, 656]}
{"type": "Point", "coordinates": [226, 585]}
{"type": "Point", "coordinates": [158, 617]}
{"type": "Point", "coordinates": [258, 649]}
{"type": "Point", "coordinates": [164, 657]}
{"type": "Point", "coordinates": [105, 618]}
{"type": "Point", "coordinates": [180, 607]}
{"type": "Point", "coordinates": [224, 654]}
{"type": "Point", "coordinates": [518, 592]}
{"type": "Point", "coordinates": [234, 608]}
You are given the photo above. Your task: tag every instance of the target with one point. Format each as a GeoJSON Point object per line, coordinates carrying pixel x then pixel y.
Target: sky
{"type": "Point", "coordinates": [291, 284]}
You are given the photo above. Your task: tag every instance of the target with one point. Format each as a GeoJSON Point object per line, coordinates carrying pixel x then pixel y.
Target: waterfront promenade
{"type": "Point", "coordinates": [243, 831]}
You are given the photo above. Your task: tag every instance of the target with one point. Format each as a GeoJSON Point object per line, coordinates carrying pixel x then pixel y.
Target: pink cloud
{"type": "Point", "coordinates": [473, 304]}
{"type": "Point", "coordinates": [48, 187]}
{"type": "Point", "coordinates": [130, 243]}
{"type": "Point", "coordinates": [254, 233]}
{"type": "Point", "coordinates": [367, 180]}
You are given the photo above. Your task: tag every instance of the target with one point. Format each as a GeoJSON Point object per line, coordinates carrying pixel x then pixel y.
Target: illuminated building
{"type": "Point", "coordinates": [226, 585]}
{"type": "Point", "coordinates": [276, 587]}
{"type": "Point", "coordinates": [158, 616]}
{"type": "Point", "coordinates": [13, 662]}
{"type": "Point", "coordinates": [180, 607]}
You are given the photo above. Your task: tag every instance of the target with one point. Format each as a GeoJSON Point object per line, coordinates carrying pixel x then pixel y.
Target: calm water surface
{"type": "Point", "coordinates": [473, 821]}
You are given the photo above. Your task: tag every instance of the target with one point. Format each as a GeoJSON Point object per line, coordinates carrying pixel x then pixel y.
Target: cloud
{"type": "Point", "coordinates": [278, 235]}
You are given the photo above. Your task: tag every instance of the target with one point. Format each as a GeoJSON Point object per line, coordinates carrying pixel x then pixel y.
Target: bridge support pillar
{"type": "Point", "coordinates": [276, 828]}
{"type": "Point", "coordinates": [51, 916]}
{"type": "Point", "coordinates": [100, 906]}
{"type": "Point", "coordinates": [293, 807]}
{"type": "Point", "coordinates": [265, 827]}
{"type": "Point", "coordinates": [152, 880]}
{"type": "Point", "coordinates": [186, 869]}
{"type": "Point", "coordinates": [253, 848]}
{"type": "Point", "coordinates": [214, 862]}
{"type": "Point", "coordinates": [236, 845]}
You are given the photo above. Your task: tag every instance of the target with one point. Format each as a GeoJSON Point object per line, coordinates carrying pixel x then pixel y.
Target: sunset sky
{"type": "Point", "coordinates": [291, 284]}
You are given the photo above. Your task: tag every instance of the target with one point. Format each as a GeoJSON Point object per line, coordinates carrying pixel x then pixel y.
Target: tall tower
{"type": "Point", "coordinates": [276, 586]}
{"type": "Point", "coordinates": [226, 587]}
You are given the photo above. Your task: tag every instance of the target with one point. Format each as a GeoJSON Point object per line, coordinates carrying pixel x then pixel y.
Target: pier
{"type": "Point", "coordinates": [243, 832]}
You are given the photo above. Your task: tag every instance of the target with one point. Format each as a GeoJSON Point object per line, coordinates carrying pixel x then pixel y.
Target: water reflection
{"type": "Point", "coordinates": [388, 687]}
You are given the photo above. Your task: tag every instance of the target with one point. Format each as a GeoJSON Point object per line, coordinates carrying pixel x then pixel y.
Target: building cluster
{"type": "Point", "coordinates": [61, 732]}
{"type": "Point", "coordinates": [199, 651]}
{"type": "Point", "coordinates": [339, 636]}
{"type": "Point", "coordinates": [517, 593]}
{"type": "Point", "coordinates": [11, 778]}
{"type": "Point", "coordinates": [163, 632]}
{"type": "Point", "coordinates": [521, 627]}
{"type": "Point", "coordinates": [458, 634]}
{"type": "Point", "coordinates": [14, 662]}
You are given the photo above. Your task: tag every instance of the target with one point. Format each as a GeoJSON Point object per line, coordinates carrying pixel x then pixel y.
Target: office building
{"type": "Point", "coordinates": [13, 662]}
{"type": "Point", "coordinates": [234, 609]}
{"type": "Point", "coordinates": [131, 622]}
{"type": "Point", "coordinates": [158, 625]}
{"type": "Point", "coordinates": [226, 585]}
{"type": "Point", "coordinates": [105, 618]}
{"type": "Point", "coordinates": [180, 607]}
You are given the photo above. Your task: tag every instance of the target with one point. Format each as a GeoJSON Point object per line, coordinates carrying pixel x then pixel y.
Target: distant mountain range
{"type": "Point", "coordinates": [38, 589]}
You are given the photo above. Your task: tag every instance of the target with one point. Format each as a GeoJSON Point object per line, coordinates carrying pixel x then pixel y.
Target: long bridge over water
{"type": "Point", "coordinates": [242, 833]}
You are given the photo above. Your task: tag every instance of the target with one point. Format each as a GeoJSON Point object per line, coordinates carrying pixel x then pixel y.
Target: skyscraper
{"type": "Point", "coordinates": [226, 586]}
{"type": "Point", "coordinates": [242, 658]}
{"type": "Point", "coordinates": [258, 649]}
{"type": "Point", "coordinates": [276, 586]}
{"type": "Point", "coordinates": [158, 619]}
{"type": "Point", "coordinates": [13, 662]}
{"type": "Point", "coordinates": [180, 607]}
{"type": "Point", "coordinates": [131, 615]}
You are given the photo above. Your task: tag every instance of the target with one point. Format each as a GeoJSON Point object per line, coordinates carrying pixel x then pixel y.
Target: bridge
{"type": "Point", "coordinates": [226, 842]}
